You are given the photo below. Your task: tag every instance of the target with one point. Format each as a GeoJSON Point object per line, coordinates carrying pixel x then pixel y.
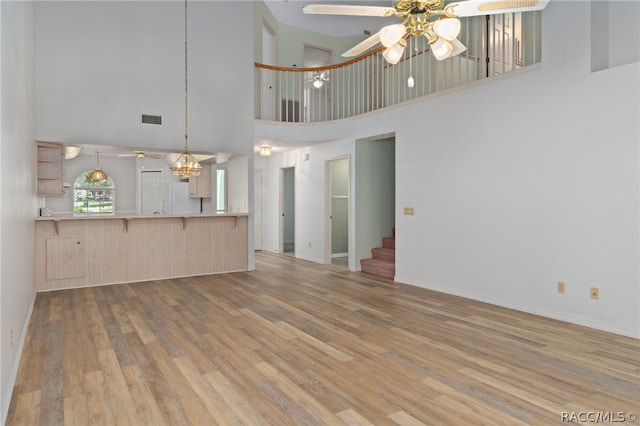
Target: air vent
{"type": "Point", "coordinates": [151, 119]}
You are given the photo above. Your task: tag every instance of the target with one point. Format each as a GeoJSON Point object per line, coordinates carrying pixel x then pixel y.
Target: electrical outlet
{"type": "Point", "coordinates": [408, 211]}
{"type": "Point", "coordinates": [595, 293]}
{"type": "Point", "coordinates": [561, 287]}
{"type": "Point", "coordinates": [309, 243]}
{"type": "Point", "coordinates": [11, 337]}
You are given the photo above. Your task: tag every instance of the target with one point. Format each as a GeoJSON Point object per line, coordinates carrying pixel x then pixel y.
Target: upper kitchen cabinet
{"type": "Point", "coordinates": [50, 169]}
{"type": "Point", "coordinates": [200, 186]}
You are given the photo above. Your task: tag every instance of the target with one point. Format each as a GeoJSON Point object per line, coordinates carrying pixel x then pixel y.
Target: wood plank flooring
{"type": "Point", "coordinates": [297, 343]}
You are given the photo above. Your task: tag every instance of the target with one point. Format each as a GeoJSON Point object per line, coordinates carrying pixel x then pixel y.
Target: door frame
{"type": "Point", "coordinates": [281, 206]}
{"type": "Point", "coordinates": [258, 213]}
{"type": "Point", "coordinates": [328, 206]}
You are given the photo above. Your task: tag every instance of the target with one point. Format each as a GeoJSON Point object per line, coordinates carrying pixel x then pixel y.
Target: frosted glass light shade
{"type": "Point", "coordinates": [392, 34]}
{"type": "Point", "coordinates": [441, 48]}
{"type": "Point", "coordinates": [394, 53]}
{"type": "Point", "coordinates": [265, 150]}
{"type": "Point", "coordinates": [458, 47]}
{"type": "Point", "coordinates": [447, 28]}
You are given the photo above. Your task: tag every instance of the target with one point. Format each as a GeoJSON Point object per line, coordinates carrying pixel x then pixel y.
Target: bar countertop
{"type": "Point", "coordinates": [58, 218]}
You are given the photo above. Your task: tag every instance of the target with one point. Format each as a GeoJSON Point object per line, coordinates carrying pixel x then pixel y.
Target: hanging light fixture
{"type": "Point", "coordinates": [265, 150]}
{"type": "Point", "coordinates": [186, 165]}
{"type": "Point", "coordinates": [97, 175]}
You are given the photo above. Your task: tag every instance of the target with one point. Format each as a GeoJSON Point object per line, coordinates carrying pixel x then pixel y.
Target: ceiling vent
{"type": "Point", "coordinates": [151, 119]}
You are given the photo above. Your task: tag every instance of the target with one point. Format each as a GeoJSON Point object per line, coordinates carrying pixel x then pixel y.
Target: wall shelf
{"type": "Point", "coordinates": [50, 169]}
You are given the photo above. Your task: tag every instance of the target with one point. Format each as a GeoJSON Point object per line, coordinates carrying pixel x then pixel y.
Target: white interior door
{"type": "Point", "coordinates": [287, 210]}
{"type": "Point", "coordinates": [257, 210]}
{"type": "Point", "coordinates": [337, 205]}
{"type": "Point", "coordinates": [505, 50]}
{"type": "Point", "coordinates": [152, 194]}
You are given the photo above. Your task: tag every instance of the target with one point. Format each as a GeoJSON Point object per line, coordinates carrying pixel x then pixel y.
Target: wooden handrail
{"type": "Point", "coordinates": [343, 64]}
{"type": "Point", "coordinates": [323, 68]}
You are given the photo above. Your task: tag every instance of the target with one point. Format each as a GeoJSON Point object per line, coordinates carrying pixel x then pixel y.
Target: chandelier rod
{"type": "Point", "coordinates": [186, 80]}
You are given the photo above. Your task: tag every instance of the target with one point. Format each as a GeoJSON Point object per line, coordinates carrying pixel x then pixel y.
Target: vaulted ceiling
{"type": "Point", "coordinates": [290, 13]}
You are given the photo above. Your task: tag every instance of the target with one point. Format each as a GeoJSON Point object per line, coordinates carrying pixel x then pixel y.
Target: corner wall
{"type": "Point", "coordinates": [18, 203]}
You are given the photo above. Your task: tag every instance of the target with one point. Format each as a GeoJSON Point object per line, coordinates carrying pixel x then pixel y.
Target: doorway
{"type": "Point", "coordinates": [257, 210]}
{"type": "Point", "coordinates": [337, 201]}
{"type": "Point", "coordinates": [317, 88]}
{"type": "Point", "coordinates": [287, 209]}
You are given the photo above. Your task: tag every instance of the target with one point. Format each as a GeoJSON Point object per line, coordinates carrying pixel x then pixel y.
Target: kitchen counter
{"type": "Point", "coordinates": [79, 251]}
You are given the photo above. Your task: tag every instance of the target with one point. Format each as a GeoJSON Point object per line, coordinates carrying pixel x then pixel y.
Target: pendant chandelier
{"type": "Point", "coordinates": [186, 165]}
{"type": "Point", "coordinates": [97, 175]}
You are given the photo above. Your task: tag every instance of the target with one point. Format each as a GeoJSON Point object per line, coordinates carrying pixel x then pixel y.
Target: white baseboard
{"type": "Point", "coordinates": [573, 319]}
{"type": "Point", "coordinates": [13, 374]}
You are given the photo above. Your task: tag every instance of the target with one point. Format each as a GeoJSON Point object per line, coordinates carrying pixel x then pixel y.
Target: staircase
{"type": "Point", "coordinates": [383, 262]}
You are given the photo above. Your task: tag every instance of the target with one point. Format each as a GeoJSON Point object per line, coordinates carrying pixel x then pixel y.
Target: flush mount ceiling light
{"type": "Point", "coordinates": [428, 18]}
{"type": "Point", "coordinates": [97, 175]}
{"type": "Point", "coordinates": [265, 150]}
{"type": "Point", "coordinates": [186, 165]}
{"type": "Point", "coordinates": [318, 78]}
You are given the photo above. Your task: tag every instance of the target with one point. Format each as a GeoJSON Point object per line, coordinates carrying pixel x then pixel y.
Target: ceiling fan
{"type": "Point", "coordinates": [318, 78]}
{"type": "Point", "coordinates": [436, 21]}
{"type": "Point", "coordinates": [142, 154]}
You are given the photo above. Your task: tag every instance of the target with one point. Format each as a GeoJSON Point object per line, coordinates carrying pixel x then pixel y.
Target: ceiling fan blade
{"type": "Point", "coordinates": [363, 46]}
{"type": "Point", "coordinates": [343, 9]}
{"type": "Point", "coordinates": [492, 7]}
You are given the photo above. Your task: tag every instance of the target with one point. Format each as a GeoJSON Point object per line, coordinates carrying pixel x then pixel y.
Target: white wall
{"type": "Point", "coordinates": [517, 183]}
{"type": "Point", "coordinates": [100, 65]}
{"type": "Point", "coordinates": [18, 202]}
{"type": "Point", "coordinates": [310, 224]}
{"type": "Point", "coordinates": [238, 184]}
{"type": "Point", "coordinates": [121, 170]}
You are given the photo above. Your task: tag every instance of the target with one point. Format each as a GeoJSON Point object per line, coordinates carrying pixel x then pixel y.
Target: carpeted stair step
{"type": "Point", "coordinates": [389, 242]}
{"type": "Point", "coordinates": [378, 267]}
{"type": "Point", "coordinates": [384, 254]}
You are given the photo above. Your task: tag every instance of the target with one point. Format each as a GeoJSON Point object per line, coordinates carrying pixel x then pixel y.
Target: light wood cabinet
{"type": "Point", "coordinates": [50, 169]}
{"type": "Point", "coordinates": [82, 251]}
{"type": "Point", "coordinates": [200, 186]}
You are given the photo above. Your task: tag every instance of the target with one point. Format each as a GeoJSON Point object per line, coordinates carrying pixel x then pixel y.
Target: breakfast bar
{"type": "Point", "coordinates": [83, 251]}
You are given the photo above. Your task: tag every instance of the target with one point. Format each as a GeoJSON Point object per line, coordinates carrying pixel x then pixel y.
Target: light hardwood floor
{"type": "Point", "coordinates": [306, 344]}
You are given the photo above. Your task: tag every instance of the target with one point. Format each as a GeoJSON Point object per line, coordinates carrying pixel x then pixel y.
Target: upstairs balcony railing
{"type": "Point", "coordinates": [495, 44]}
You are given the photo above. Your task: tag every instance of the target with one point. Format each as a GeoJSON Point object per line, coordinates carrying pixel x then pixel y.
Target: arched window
{"type": "Point", "coordinates": [93, 197]}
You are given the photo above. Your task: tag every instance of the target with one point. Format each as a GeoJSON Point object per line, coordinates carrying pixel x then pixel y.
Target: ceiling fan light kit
{"type": "Point", "coordinates": [417, 15]}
